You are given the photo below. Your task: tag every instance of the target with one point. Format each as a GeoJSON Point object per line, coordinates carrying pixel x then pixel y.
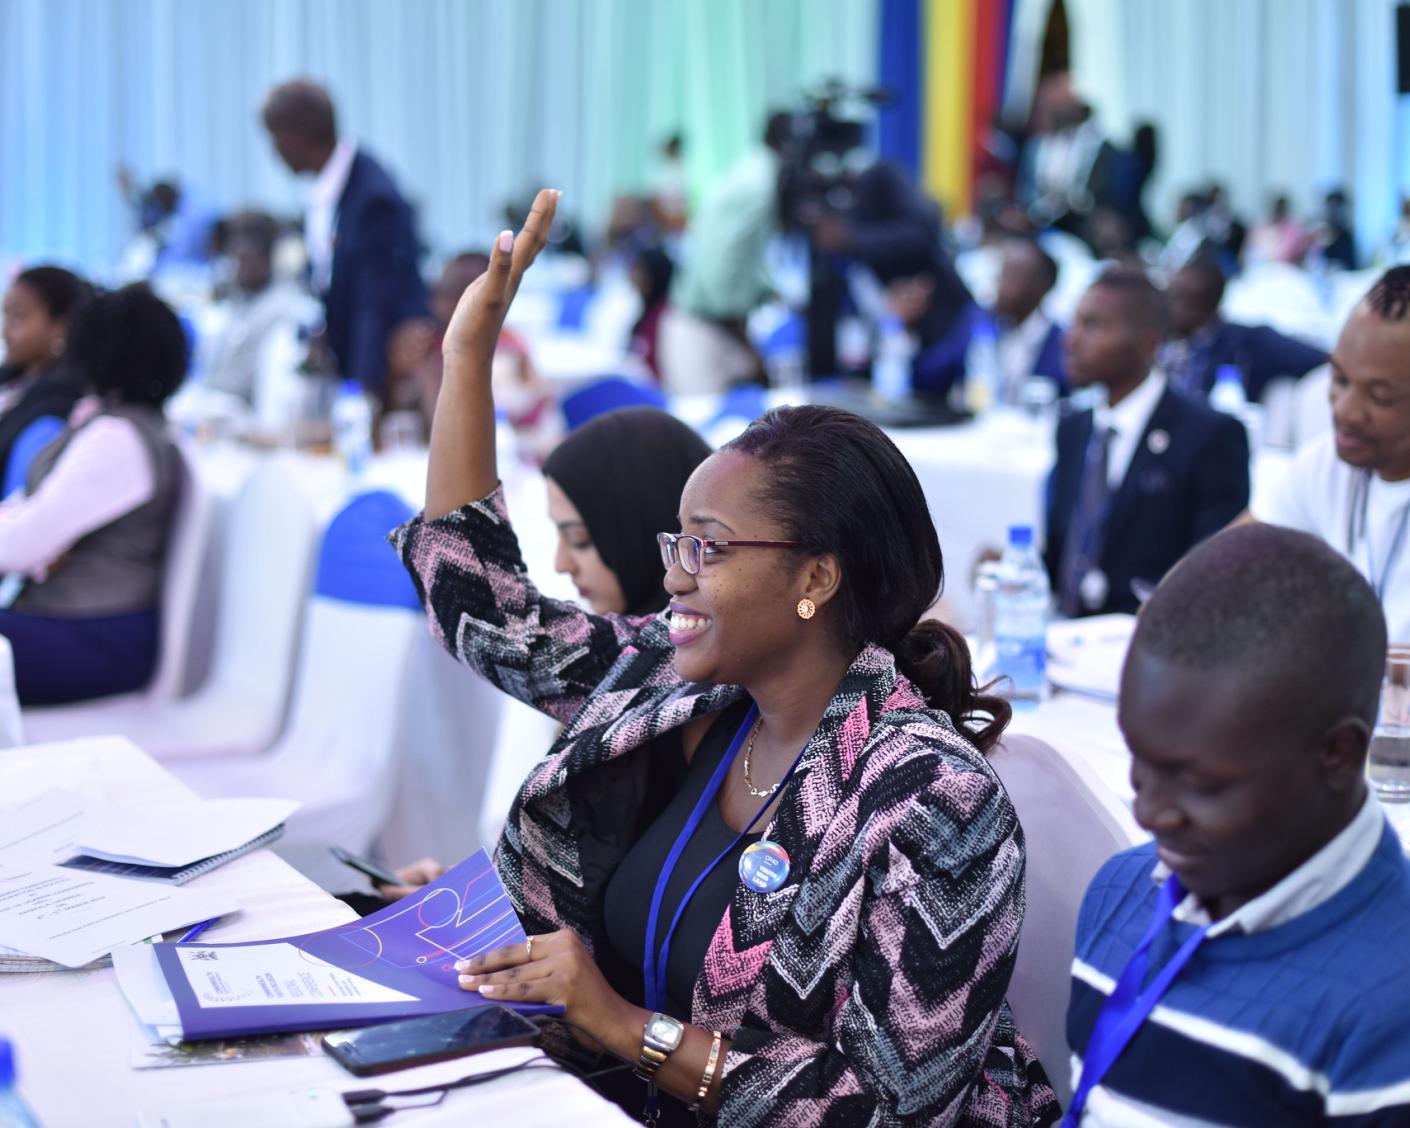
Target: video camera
{"type": "Point", "coordinates": [817, 141]}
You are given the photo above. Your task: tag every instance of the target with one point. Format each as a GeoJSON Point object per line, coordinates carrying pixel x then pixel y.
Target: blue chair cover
{"type": "Point", "coordinates": [747, 402]}
{"type": "Point", "coordinates": [355, 563]}
{"type": "Point", "coordinates": [30, 442]}
{"type": "Point", "coordinates": [790, 336]}
{"type": "Point", "coordinates": [573, 309]}
{"type": "Point", "coordinates": [606, 395]}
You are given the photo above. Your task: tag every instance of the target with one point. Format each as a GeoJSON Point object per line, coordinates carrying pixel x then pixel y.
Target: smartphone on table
{"type": "Point", "coordinates": [380, 875]}
{"type": "Point", "coordinates": [436, 1037]}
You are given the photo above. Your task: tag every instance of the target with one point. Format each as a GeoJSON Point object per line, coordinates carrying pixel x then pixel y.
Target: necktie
{"type": "Point", "coordinates": [1083, 547]}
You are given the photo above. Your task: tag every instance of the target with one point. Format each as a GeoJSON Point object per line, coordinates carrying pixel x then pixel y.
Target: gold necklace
{"type": "Point", "coordinates": [748, 752]}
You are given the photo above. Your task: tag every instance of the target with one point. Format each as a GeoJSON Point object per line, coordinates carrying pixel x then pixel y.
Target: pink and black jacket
{"type": "Point", "coordinates": [869, 989]}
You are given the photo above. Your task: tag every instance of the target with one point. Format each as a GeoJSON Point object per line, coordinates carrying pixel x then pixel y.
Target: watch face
{"type": "Point", "coordinates": [665, 1030]}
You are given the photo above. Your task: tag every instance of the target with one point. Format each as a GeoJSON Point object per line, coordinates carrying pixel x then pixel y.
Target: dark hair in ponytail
{"type": "Point", "coordinates": [839, 485]}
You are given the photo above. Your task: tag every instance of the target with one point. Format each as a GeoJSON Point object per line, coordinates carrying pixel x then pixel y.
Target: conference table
{"type": "Point", "coordinates": [75, 1035]}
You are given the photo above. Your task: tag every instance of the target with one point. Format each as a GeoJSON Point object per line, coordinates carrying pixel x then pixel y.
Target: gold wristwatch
{"type": "Point", "coordinates": [663, 1034]}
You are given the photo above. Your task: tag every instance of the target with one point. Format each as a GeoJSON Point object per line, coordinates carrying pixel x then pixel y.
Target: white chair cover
{"type": "Point", "coordinates": [1071, 825]}
{"type": "Point", "coordinates": [240, 709]}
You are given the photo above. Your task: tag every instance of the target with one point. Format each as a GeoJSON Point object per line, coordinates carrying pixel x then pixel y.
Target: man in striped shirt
{"type": "Point", "coordinates": [1249, 966]}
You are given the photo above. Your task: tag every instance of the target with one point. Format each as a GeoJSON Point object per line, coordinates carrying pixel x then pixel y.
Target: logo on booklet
{"type": "Point", "coordinates": [205, 954]}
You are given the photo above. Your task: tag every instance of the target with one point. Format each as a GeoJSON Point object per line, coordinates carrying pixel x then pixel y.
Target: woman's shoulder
{"type": "Point", "coordinates": [941, 799]}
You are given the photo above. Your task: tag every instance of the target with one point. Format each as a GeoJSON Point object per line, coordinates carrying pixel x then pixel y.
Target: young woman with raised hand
{"type": "Point", "coordinates": [766, 859]}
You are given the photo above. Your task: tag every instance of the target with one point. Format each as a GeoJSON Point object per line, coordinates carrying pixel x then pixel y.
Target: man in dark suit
{"type": "Point", "coordinates": [361, 234]}
{"type": "Point", "coordinates": [1143, 479]}
{"type": "Point", "coordinates": [1201, 342]}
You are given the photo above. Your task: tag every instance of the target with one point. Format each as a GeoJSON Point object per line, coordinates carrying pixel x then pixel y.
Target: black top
{"type": "Point", "coordinates": [628, 896]}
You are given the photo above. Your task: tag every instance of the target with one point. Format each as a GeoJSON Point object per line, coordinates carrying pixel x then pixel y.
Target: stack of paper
{"type": "Point", "coordinates": [50, 914]}
{"type": "Point", "coordinates": [1086, 655]}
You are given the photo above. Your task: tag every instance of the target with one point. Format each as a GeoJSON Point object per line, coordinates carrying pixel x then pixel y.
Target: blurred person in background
{"type": "Point", "coordinates": [86, 541]}
{"type": "Point", "coordinates": [361, 234]}
{"type": "Point", "coordinates": [1201, 342]}
{"type": "Point", "coordinates": [1332, 237]}
{"type": "Point", "coordinates": [37, 388]}
{"type": "Point", "coordinates": [651, 272]}
{"type": "Point", "coordinates": [257, 305]}
{"type": "Point", "coordinates": [1141, 480]}
{"type": "Point", "coordinates": [722, 277]}
{"type": "Point", "coordinates": [1277, 238]}
{"type": "Point", "coordinates": [416, 365]}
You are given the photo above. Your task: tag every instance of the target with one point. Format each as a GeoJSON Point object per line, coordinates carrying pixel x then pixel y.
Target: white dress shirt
{"type": "Point", "coordinates": [1318, 496]}
{"type": "Point", "coordinates": [1128, 421]}
{"type": "Point", "coordinates": [1019, 347]}
{"type": "Point", "coordinates": [321, 220]}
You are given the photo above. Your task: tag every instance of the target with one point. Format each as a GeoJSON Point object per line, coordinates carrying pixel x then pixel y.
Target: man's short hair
{"type": "Point", "coordinates": [1144, 301]}
{"type": "Point", "coordinates": [1272, 606]}
{"type": "Point", "coordinates": [1389, 298]}
{"type": "Point", "coordinates": [304, 107]}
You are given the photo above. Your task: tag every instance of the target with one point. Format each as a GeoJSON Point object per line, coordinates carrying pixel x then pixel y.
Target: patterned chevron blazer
{"type": "Point", "coordinates": [870, 988]}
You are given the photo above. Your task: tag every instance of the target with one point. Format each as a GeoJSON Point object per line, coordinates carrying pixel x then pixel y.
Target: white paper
{"type": "Point", "coordinates": [275, 975]}
{"type": "Point", "coordinates": [72, 917]}
{"type": "Point", "coordinates": [177, 834]}
{"type": "Point", "coordinates": [1086, 655]}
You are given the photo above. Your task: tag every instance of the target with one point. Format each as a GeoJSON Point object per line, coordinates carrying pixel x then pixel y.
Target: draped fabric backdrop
{"type": "Point", "coordinates": [470, 102]}
{"type": "Point", "coordinates": [1263, 95]}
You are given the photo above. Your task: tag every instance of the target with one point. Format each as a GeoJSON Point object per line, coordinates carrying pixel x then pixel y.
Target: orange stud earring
{"type": "Point", "coordinates": [807, 609]}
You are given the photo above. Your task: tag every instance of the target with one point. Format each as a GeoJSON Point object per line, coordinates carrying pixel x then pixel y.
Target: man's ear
{"type": "Point", "coordinates": [1342, 755]}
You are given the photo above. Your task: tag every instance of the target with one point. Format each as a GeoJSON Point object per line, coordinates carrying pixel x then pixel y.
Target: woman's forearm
{"type": "Point", "coordinates": [685, 1068]}
{"type": "Point", "coordinates": [462, 468]}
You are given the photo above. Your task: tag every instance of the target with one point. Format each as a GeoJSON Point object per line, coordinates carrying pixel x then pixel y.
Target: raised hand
{"type": "Point", "coordinates": [479, 316]}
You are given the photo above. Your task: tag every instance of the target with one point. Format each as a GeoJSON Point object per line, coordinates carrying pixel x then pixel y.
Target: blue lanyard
{"type": "Point", "coordinates": [1128, 1006]}
{"type": "Point", "coordinates": [653, 966]}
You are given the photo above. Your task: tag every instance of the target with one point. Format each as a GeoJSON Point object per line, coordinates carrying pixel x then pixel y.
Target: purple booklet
{"type": "Point", "coordinates": [397, 963]}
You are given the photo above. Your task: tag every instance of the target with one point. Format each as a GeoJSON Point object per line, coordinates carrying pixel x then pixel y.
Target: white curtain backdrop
{"type": "Point", "coordinates": [470, 102]}
{"type": "Point", "coordinates": [1262, 95]}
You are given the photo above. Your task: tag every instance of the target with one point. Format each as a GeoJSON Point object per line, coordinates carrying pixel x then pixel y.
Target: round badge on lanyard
{"type": "Point", "coordinates": [1094, 588]}
{"type": "Point", "coordinates": [763, 866]}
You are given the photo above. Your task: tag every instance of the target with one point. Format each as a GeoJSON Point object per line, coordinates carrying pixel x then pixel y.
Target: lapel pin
{"type": "Point", "coordinates": [1158, 442]}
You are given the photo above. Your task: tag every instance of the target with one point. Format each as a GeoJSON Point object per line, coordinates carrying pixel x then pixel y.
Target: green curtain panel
{"type": "Point", "coordinates": [470, 102]}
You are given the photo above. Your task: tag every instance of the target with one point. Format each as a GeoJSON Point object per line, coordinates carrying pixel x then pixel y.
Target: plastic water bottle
{"type": "Point", "coordinates": [981, 367]}
{"type": "Point", "coordinates": [1227, 395]}
{"type": "Point", "coordinates": [14, 1113]}
{"type": "Point", "coordinates": [1021, 598]}
{"type": "Point", "coordinates": [352, 427]}
{"type": "Point", "coordinates": [891, 373]}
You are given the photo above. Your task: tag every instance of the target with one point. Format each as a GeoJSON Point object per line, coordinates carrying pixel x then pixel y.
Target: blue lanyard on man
{"type": "Point", "coordinates": [1129, 1005]}
{"type": "Point", "coordinates": [1358, 528]}
{"type": "Point", "coordinates": [653, 964]}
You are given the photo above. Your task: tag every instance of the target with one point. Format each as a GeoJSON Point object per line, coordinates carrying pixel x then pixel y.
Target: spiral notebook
{"type": "Point", "coordinates": [171, 875]}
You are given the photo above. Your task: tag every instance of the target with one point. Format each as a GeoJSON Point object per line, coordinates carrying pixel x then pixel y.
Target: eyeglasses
{"type": "Point", "coordinates": [689, 551]}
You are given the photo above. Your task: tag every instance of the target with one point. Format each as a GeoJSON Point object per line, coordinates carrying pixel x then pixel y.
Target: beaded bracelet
{"type": "Point", "coordinates": [709, 1074]}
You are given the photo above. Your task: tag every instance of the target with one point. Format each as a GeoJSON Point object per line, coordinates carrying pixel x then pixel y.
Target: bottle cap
{"type": "Point", "coordinates": [1020, 536]}
{"type": "Point", "coordinates": [350, 388]}
{"type": "Point", "coordinates": [1230, 373]}
{"type": "Point", "coordinates": [7, 1065]}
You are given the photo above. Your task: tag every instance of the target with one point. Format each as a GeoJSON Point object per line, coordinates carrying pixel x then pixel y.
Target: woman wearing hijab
{"type": "Point", "coordinates": [613, 484]}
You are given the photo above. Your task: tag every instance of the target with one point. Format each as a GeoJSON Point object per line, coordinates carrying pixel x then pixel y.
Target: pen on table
{"type": "Point", "coordinates": [196, 930]}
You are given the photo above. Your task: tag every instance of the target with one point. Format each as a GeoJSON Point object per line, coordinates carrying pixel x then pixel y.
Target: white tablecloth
{"type": "Point", "coordinates": [75, 1033]}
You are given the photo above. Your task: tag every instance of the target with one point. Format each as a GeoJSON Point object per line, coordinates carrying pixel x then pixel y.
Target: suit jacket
{"type": "Point", "coordinates": [1261, 353]}
{"type": "Point", "coordinates": [376, 281]}
{"type": "Point", "coordinates": [1188, 478]}
{"type": "Point", "coordinates": [869, 988]}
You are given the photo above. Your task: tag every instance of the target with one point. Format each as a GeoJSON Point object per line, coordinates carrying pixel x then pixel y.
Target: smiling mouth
{"type": "Point", "coordinates": [1176, 860]}
{"type": "Point", "coordinates": [685, 629]}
